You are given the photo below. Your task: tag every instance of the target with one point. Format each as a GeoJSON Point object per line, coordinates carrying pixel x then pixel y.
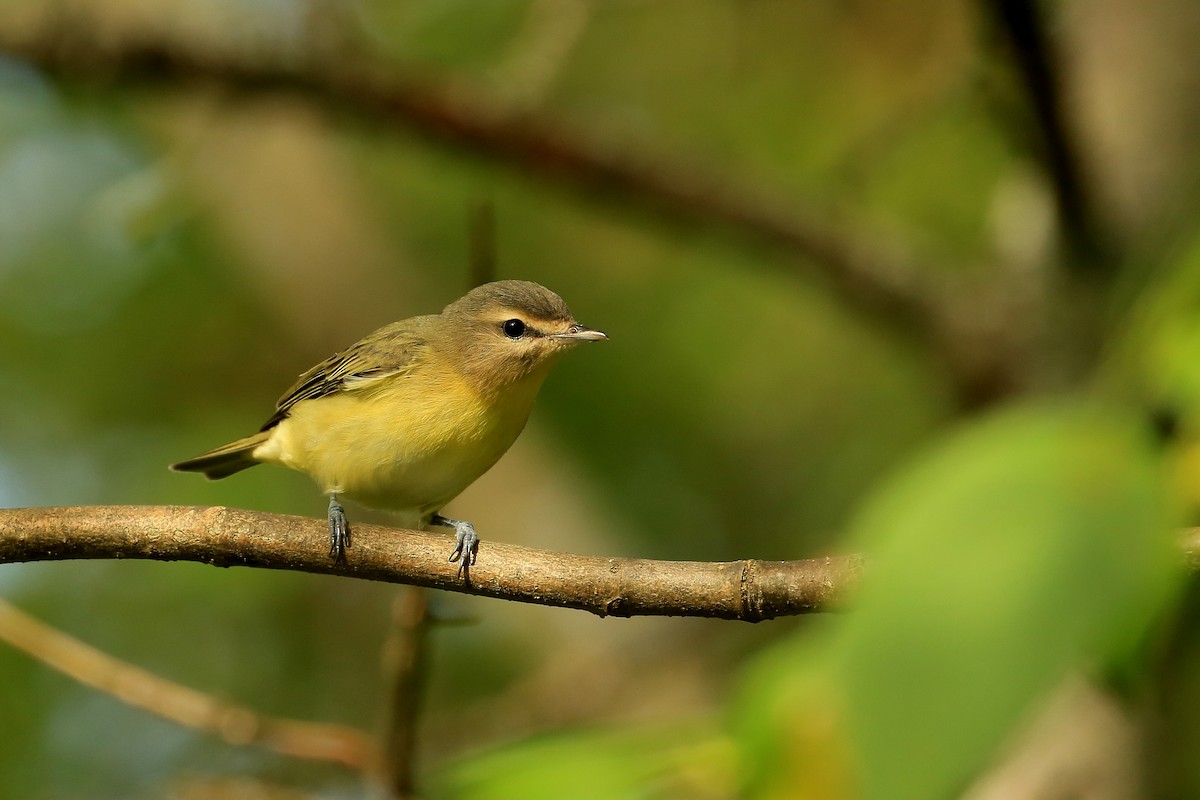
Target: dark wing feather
{"type": "Point", "coordinates": [389, 350]}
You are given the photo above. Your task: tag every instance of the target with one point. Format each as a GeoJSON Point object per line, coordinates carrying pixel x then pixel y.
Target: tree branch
{"type": "Point", "coordinates": [934, 307]}
{"type": "Point", "coordinates": [405, 663]}
{"type": "Point", "coordinates": [746, 590]}
{"type": "Point", "coordinates": [236, 724]}
{"type": "Point", "coordinates": [1039, 70]}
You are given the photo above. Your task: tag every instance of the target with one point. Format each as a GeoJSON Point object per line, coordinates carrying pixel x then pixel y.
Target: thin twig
{"type": "Point", "coordinates": [236, 724]}
{"type": "Point", "coordinates": [747, 590]}
{"type": "Point", "coordinates": [482, 241]}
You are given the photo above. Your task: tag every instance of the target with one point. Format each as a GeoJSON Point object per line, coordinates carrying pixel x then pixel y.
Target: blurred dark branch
{"type": "Point", "coordinates": [747, 590]}
{"type": "Point", "coordinates": [928, 305]}
{"type": "Point", "coordinates": [129, 684]}
{"type": "Point", "coordinates": [404, 665]}
{"type": "Point", "coordinates": [1039, 70]}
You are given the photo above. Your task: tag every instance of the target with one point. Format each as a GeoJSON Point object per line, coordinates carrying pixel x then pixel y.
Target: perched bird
{"type": "Point", "coordinates": [411, 415]}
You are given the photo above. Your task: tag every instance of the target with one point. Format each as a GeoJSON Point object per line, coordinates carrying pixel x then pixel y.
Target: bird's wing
{"type": "Point", "coordinates": [389, 351]}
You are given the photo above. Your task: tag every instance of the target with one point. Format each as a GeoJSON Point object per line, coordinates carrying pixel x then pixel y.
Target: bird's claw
{"type": "Point", "coordinates": [339, 532]}
{"type": "Point", "coordinates": [466, 543]}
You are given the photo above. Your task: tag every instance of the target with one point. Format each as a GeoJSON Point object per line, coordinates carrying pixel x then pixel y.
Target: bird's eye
{"type": "Point", "coordinates": [513, 328]}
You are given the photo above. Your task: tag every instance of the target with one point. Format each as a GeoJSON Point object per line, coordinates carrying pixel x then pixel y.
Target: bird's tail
{"type": "Point", "coordinates": [225, 460]}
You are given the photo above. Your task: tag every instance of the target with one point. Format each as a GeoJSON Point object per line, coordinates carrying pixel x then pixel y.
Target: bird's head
{"type": "Point", "coordinates": [506, 331]}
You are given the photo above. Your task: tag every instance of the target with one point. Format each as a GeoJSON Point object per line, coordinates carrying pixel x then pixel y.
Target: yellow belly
{"type": "Point", "coordinates": [395, 445]}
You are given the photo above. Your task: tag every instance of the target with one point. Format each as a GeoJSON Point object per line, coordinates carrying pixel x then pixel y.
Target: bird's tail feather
{"type": "Point", "coordinates": [223, 461]}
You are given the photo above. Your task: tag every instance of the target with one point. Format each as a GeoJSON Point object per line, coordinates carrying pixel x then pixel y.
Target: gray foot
{"type": "Point", "coordinates": [466, 541]}
{"type": "Point", "coordinates": [339, 531]}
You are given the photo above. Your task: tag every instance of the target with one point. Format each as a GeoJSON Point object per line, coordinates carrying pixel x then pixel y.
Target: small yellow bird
{"type": "Point", "coordinates": [411, 415]}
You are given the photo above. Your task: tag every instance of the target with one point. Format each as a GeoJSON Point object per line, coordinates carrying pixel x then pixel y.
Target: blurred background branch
{"type": "Point", "coordinates": [938, 309]}
{"type": "Point", "coordinates": [236, 724]}
{"type": "Point", "coordinates": [481, 238]}
{"type": "Point", "coordinates": [1034, 53]}
{"type": "Point", "coordinates": [405, 661]}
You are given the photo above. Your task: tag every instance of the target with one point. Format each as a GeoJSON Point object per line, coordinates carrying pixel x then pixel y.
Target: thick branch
{"type": "Point", "coordinates": [746, 590]}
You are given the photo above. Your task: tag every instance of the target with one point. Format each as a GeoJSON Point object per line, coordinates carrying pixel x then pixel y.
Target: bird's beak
{"type": "Point", "coordinates": [579, 333]}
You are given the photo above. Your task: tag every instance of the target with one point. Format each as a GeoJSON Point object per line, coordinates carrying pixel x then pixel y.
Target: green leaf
{"type": "Point", "coordinates": [1033, 543]}
{"type": "Point", "coordinates": [1154, 357]}
{"type": "Point", "coordinates": [679, 760]}
{"type": "Point", "coordinates": [787, 720]}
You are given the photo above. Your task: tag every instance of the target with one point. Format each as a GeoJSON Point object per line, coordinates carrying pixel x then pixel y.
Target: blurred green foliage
{"type": "Point", "coordinates": [171, 258]}
{"type": "Point", "coordinates": [1065, 505]}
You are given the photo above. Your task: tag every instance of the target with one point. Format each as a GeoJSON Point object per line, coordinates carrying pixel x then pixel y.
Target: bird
{"type": "Point", "coordinates": [409, 416]}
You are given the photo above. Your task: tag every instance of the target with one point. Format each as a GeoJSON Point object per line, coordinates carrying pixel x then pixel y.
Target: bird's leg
{"type": "Point", "coordinates": [339, 531]}
{"type": "Point", "coordinates": [466, 541]}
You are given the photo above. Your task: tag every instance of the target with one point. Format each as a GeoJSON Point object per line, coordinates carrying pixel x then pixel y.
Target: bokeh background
{"type": "Point", "coordinates": [911, 278]}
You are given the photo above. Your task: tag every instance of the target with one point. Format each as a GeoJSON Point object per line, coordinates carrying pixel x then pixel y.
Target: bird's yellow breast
{"type": "Point", "coordinates": [411, 441]}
